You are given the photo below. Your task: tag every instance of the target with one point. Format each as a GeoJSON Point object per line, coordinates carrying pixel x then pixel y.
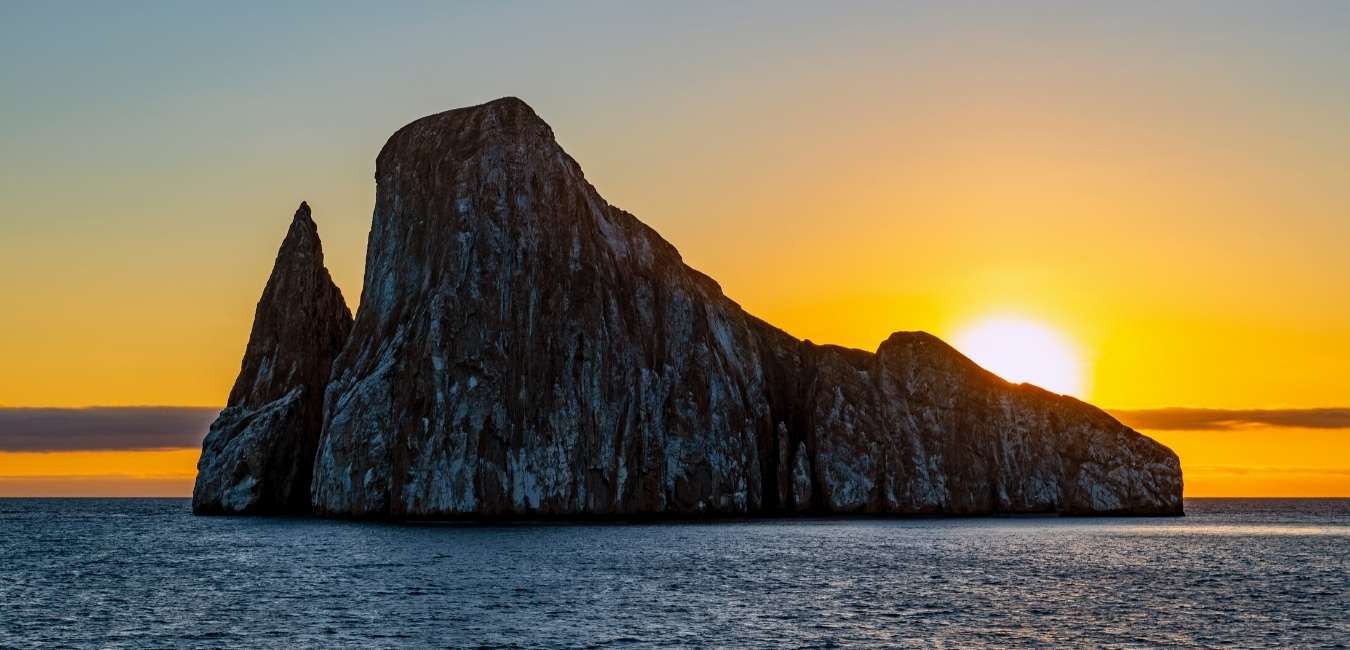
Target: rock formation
{"type": "Point", "coordinates": [525, 349]}
{"type": "Point", "coordinates": [259, 454]}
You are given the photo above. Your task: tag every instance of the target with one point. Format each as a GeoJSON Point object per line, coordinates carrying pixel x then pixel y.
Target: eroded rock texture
{"type": "Point", "coordinates": [523, 348]}
{"type": "Point", "coordinates": [259, 454]}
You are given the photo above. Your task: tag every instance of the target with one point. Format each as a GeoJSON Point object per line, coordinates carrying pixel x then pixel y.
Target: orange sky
{"type": "Point", "coordinates": [1168, 190]}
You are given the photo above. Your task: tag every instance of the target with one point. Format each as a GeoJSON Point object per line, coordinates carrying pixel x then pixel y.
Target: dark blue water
{"type": "Point", "coordinates": [145, 573]}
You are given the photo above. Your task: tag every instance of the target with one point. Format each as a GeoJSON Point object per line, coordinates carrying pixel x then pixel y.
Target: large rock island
{"type": "Point", "coordinates": [525, 349]}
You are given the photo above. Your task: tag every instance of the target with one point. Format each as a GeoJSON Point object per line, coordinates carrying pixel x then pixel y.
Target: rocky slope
{"type": "Point", "coordinates": [259, 454]}
{"type": "Point", "coordinates": [523, 348]}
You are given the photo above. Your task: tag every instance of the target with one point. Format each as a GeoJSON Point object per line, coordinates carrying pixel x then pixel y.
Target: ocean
{"type": "Point", "coordinates": [145, 573]}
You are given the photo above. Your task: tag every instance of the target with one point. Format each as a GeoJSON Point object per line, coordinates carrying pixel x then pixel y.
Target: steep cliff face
{"type": "Point", "coordinates": [525, 348]}
{"type": "Point", "coordinates": [258, 456]}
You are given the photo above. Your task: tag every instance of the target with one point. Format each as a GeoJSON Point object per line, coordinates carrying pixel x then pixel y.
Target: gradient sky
{"type": "Point", "coordinates": [1167, 186]}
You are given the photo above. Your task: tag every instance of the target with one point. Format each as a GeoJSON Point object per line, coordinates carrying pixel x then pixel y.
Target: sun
{"type": "Point", "coordinates": [1023, 350]}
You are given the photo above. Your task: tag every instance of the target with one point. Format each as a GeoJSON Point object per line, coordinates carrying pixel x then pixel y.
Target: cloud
{"type": "Point", "coordinates": [1195, 419]}
{"type": "Point", "coordinates": [102, 428]}
{"type": "Point", "coordinates": [105, 428]}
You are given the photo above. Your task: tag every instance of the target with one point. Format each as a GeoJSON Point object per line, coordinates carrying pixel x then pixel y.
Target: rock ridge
{"type": "Point", "coordinates": [258, 456]}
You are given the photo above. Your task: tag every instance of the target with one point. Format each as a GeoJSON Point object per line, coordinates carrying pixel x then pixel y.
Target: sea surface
{"type": "Point", "coordinates": [145, 573]}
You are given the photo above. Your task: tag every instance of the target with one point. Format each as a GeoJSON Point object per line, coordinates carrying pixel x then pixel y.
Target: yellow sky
{"type": "Point", "coordinates": [168, 472]}
{"type": "Point", "coordinates": [1262, 461]}
{"type": "Point", "coordinates": [1189, 274]}
{"type": "Point", "coordinates": [1168, 191]}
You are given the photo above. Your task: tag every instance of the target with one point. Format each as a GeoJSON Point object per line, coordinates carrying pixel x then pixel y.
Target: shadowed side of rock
{"type": "Point", "coordinates": [258, 456]}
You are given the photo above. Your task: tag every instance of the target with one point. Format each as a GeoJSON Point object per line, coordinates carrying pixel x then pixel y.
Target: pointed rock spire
{"type": "Point", "coordinates": [258, 456]}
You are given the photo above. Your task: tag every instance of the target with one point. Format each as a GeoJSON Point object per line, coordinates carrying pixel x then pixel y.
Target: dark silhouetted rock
{"type": "Point", "coordinates": [259, 454]}
{"type": "Point", "coordinates": [523, 348]}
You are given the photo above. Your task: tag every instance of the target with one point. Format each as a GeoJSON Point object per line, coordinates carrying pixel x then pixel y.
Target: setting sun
{"type": "Point", "coordinates": [1022, 350]}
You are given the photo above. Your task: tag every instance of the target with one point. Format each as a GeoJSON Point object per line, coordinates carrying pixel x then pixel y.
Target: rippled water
{"type": "Point", "coordinates": [145, 573]}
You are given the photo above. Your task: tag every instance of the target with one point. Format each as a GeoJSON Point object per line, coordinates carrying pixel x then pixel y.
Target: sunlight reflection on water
{"type": "Point", "coordinates": [1235, 530]}
{"type": "Point", "coordinates": [1248, 573]}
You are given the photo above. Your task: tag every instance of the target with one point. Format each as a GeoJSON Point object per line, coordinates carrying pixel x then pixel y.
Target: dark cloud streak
{"type": "Point", "coordinates": [1195, 419]}
{"type": "Point", "coordinates": [175, 427]}
{"type": "Point", "coordinates": [103, 428]}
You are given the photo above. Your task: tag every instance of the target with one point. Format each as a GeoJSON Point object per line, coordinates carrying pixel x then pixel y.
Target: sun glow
{"type": "Point", "coordinates": [1022, 350]}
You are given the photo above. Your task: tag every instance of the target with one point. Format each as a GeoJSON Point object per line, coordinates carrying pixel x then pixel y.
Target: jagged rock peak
{"type": "Point", "coordinates": [299, 295]}
{"type": "Point", "coordinates": [258, 454]}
